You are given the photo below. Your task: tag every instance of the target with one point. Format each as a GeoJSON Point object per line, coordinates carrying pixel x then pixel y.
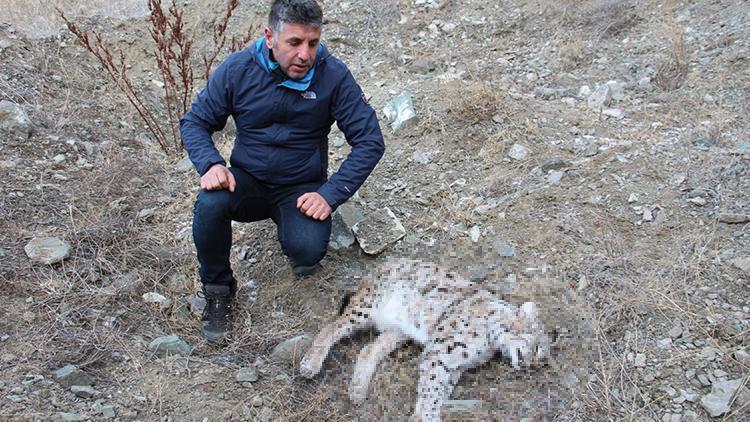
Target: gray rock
{"type": "Point", "coordinates": [742, 264]}
{"type": "Point", "coordinates": [703, 142]}
{"type": "Point", "coordinates": [197, 305]}
{"type": "Point", "coordinates": [351, 213]}
{"type": "Point", "coordinates": [169, 346]}
{"type": "Point", "coordinates": [615, 113]}
{"type": "Point", "coordinates": [257, 401]}
{"type": "Point", "coordinates": [671, 417]}
{"type": "Point", "coordinates": [108, 412]}
{"type": "Point", "coordinates": [745, 147]}
{"type": "Point", "coordinates": [249, 374]}
{"type": "Point", "coordinates": [664, 343]}
{"type": "Point", "coordinates": [83, 391]}
{"type": "Point", "coordinates": [617, 90]}
{"type": "Point", "coordinates": [675, 332]}
{"type": "Point", "coordinates": [742, 357]}
{"type": "Point", "coordinates": [184, 165]}
{"type": "Point", "coordinates": [338, 141]}
{"type": "Point", "coordinates": [462, 406]}
{"type": "Point", "coordinates": [518, 152]}
{"type": "Point", "coordinates": [70, 375]}
{"type": "Point", "coordinates": [400, 111]}
{"type": "Point", "coordinates": [689, 395]}
{"type": "Point", "coordinates": [554, 164]}
{"type": "Point", "coordinates": [292, 350]}
{"type": "Point", "coordinates": [14, 121]}
{"type": "Point", "coordinates": [555, 177]}
{"type": "Point", "coordinates": [600, 98]}
{"type": "Point", "coordinates": [72, 417]}
{"type": "Point", "coordinates": [341, 234]}
{"type": "Point", "coordinates": [733, 218]}
{"type": "Point", "coordinates": [378, 230]}
{"type": "Point", "coordinates": [158, 299]}
{"type": "Point", "coordinates": [47, 250]}
{"type": "Point", "coordinates": [722, 394]}
{"type": "Point", "coordinates": [690, 416]}
{"type": "Point", "coordinates": [640, 360]}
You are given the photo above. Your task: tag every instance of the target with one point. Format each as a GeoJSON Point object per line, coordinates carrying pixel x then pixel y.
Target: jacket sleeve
{"type": "Point", "coordinates": [359, 123]}
{"type": "Point", "coordinates": [208, 114]}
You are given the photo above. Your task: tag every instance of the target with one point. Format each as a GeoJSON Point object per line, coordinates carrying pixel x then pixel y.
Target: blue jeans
{"type": "Point", "coordinates": [303, 239]}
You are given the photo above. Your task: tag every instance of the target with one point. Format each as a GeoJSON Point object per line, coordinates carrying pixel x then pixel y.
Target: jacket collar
{"type": "Point", "coordinates": [263, 56]}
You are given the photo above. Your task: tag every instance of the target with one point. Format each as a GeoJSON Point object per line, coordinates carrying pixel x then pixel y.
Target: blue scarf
{"type": "Point", "coordinates": [273, 67]}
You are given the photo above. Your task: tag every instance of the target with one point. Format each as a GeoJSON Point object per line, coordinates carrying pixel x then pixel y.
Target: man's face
{"type": "Point", "coordinates": [294, 48]}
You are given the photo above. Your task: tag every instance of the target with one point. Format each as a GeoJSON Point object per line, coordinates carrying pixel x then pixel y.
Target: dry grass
{"type": "Point", "coordinates": [672, 70]}
{"type": "Point", "coordinates": [38, 19]}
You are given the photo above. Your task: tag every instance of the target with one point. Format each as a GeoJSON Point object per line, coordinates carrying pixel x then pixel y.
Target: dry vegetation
{"type": "Point", "coordinates": [612, 283]}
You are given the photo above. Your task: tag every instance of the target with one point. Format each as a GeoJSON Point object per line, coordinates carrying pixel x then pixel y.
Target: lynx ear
{"type": "Point", "coordinates": [528, 311]}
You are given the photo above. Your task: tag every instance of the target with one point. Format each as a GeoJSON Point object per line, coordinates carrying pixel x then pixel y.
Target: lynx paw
{"type": "Point", "coordinates": [357, 393]}
{"type": "Point", "coordinates": [309, 366]}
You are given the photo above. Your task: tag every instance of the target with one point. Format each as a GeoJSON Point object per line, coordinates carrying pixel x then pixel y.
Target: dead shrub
{"type": "Point", "coordinates": [470, 102]}
{"type": "Point", "coordinates": [571, 52]}
{"type": "Point", "coordinates": [607, 17]}
{"type": "Point", "coordinates": [672, 70]}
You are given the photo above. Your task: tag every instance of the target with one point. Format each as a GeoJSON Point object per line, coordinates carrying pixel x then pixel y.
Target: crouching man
{"type": "Point", "coordinates": [284, 92]}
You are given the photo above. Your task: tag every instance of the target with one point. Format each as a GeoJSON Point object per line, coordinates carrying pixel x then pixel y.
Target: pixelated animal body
{"type": "Point", "coordinates": [459, 324]}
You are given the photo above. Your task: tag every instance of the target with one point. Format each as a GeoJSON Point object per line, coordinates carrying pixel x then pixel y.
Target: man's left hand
{"type": "Point", "coordinates": [313, 205]}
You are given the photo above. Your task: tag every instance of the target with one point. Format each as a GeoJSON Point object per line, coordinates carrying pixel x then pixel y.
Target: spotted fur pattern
{"type": "Point", "coordinates": [459, 324]}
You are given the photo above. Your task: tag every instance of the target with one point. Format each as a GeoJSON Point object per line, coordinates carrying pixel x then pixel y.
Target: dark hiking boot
{"type": "Point", "coordinates": [304, 270]}
{"type": "Point", "coordinates": [215, 321]}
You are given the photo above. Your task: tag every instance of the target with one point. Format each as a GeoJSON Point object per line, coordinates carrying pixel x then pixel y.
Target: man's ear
{"type": "Point", "coordinates": [269, 36]}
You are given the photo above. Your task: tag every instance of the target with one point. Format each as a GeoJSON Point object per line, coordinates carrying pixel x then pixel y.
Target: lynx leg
{"type": "Point", "coordinates": [353, 319]}
{"type": "Point", "coordinates": [368, 360]}
{"type": "Point", "coordinates": [436, 382]}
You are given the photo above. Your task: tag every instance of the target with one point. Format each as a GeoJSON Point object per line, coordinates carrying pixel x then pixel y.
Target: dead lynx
{"type": "Point", "coordinates": [459, 324]}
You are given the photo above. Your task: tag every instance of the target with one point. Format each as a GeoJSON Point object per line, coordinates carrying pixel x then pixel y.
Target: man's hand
{"type": "Point", "coordinates": [313, 205]}
{"type": "Point", "coordinates": [218, 177]}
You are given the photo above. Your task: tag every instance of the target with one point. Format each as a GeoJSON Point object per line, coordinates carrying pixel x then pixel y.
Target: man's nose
{"type": "Point", "coordinates": [304, 53]}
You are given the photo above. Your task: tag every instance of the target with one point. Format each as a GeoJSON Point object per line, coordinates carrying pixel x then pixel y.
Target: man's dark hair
{"type": "Point", "coordinates": [305, 12]}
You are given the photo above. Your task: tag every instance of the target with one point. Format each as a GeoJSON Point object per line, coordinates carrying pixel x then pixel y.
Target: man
{"type": "Point", "coordinates": [284, 92]}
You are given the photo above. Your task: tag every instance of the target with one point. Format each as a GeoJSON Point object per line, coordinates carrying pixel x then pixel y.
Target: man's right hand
{"type": "Point", "coordinates": [218, 177]}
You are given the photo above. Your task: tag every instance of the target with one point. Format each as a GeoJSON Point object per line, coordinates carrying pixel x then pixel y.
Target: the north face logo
{"type": "Point", "coordinates": [309, 95]}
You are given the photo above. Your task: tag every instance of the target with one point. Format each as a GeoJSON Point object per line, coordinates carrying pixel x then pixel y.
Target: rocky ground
{"type": "Point", "coordinates": [591, 156]}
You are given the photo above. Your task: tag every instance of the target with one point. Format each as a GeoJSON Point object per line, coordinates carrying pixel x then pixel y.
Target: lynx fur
{"type": "Point", "coordinates": [459, 324]}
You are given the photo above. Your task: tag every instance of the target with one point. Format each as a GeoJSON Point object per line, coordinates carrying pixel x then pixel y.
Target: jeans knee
{"type": "Point", "coordinates": [212, 203]}
{"type": "Point", "coordinates": [306, 251]}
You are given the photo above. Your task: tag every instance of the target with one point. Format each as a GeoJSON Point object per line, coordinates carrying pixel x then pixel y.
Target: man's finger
{"type": "Point", "coordinates": [232, 182]}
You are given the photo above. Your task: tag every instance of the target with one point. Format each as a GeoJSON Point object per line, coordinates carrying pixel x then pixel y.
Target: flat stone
{"type": "Point", "coordinates": [554, 164]}
{"type": "Point", "coordinates": [518, 152]}
{"type": "Point", "coordinates": [47, 250]}
{"type": "Point", "coordinates": [615, 113]}
{"type": "Point", "coordinates": [292, 350]}
{"type": "Point", "coordinates": [248, 374]}
{"type": "Point", "coordinates": [342, 236]}
{"type": "Point", "coordinates": [108, 412]}
{"type": "Point", "coordinates": [184, 165]}
{"type": "Point", "coordinates": [742, 264]}
{"type": "Point", "coordinates": [742, 357]}
{"type": "Point", "coordinates": [378, 231]}
{"type": "Point", "coordinates": [83, 391]}
{"type": "Point", "coordinates": [733, 218]}
{"type": "Point", "coordinates": [400, 111]}
{"type": "Point", "coordinates": [72, 417]}
{"type": "Point", "coordinates": [600, 98]}
{"type": "Point", "coordinates": [197, 305]}
{"type": "Point", "coordinates": [703, 143]}
{"type": "Point", "coordinates": [14, 120]}
{"type": "Point", "coordinates": [555, 177]}
{"type": "Point", "coordinates": [70, 375]}
{"type": "Point", "coordinates": [163, 302]}
{"type": "Point", "coordinates": [169, 346]}
{"type": "Point", "coordinates": [722, 393]}
{"type": "Point", "coordinates": [640, 360]}
{"type": "Point", "coordinates": [617, 90]}
{"type": "Point", "coordinates": [462, 406]}
{"type": "Point", "coordinates": [664, 343]}
{"type": "Point", "coordinates": [675, 332]}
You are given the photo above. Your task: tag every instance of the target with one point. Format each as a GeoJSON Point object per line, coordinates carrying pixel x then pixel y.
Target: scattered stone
{"type": "Point", "coordinates": [462, 406]}
{"type": "Point", "coordinates": [745, 147]}
{"type": "Point", "coordinates": [248, 374]}
{"type": "Point", "coordinates": [640, 360]}
{"type": "Point", "coordinates": [108, 412]}
{"type": "Point", "coordinates": [697, 201]}
{"type": "Point", "coordinates": [7, 357]}
{"type": "Point", "coordinates": [341, 234]}
{"type": "Point", "coordinates": [664, 343]}
{"type": "Point", "coordinates": [555, 177]}
{"type": "Point", "coordinates": [742, 357]}
{"type": "Point", "coordinates": [675, 332]}
{"type": "Point", "coordinates": [72, 417]}
{"type": "Point", "coordinates": [591, 150]}
{"type": "Point", "coordinates": [379, 230]}
{"type": "Point", "coordinates": [505, 250]}
{"type": "Point", "coordinates": [184, 165]}
{"type": "Point", "coordinates": [708, 353]}
{"type": "Point", "coordinates": [722, 394]}
{"type": "Point", "coordinates": [704, 381]}
{"type": "Point", "coordinates": [14, 120]}
{"type": "Point", "coordinates": [197, 305]}
{"type": "Point", "coordinates": [615, 113]}
{"type": "Point", "coordinates": [718, 373]}
{"type": "Point", "coordinates": [169, 346]}
{"type": "Point", "coordinates": [257, 401]}
{"type": "Point", "coordinates": [742, 264]}
{"type": "Point", "coordinates": [156, 298]}
{"type": "Point", "coordinates": [689, 395]}
{"type": "Point", "coordinates": [145, 214]}
{"type": "Point", "coordinates": [733, 218]}
{"type": "Point", "coordinates": [617, 90]}
{"type": "Point", "coordinates": [648, 215]}
{"type": "Point", "coordinates": [600, 98]}
{"type": "Point", "coordinates": [338, 141]}
{"type": "Point", "coordinates": [690, 416]}
{"type": "Point", "coordinates": [83, 391]}
{"type": "Point", "coordinates": [474, 234]}
{"type": "Point", "coordinates": [703, 143]}
{"type": "Point", "coordinates": [400, 111]}
{"type": "Point", "coordinates": [70, 375]}
{"type": "Point", "coordinates": [554, 164]}
{"type": "Point", "coordinates": [632, 198]}
{"type": "Point", "coordinates": [518, 152]}
{"type": "Point", "coordinates": [292, 350]}
{"type": "Point", "coordinates": [47, 250]}
{"type": "Point", "coordinates": [584, 91]}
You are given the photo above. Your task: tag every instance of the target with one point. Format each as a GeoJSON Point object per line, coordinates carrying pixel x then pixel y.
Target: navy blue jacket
{"type": "Point", "coordinates": [282, 133]}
